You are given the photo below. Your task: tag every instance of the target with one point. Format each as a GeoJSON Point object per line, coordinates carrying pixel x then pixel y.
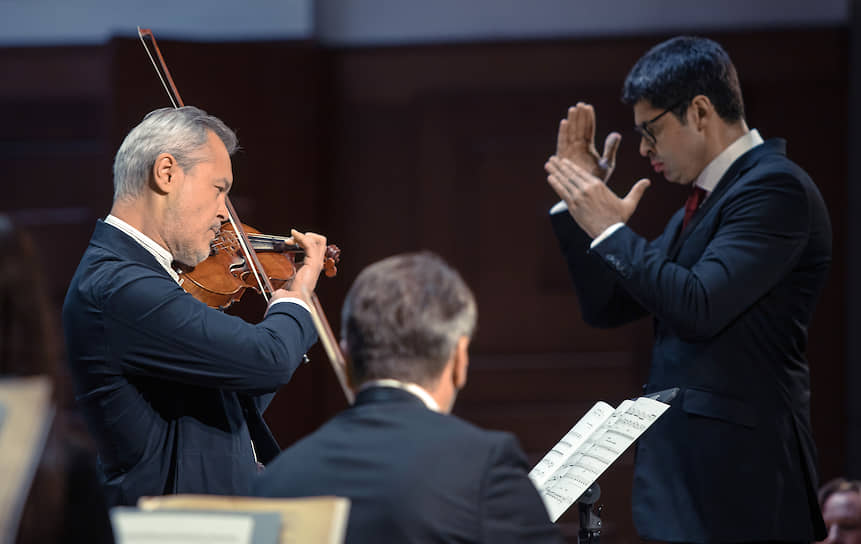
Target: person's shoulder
{"type": "Point", "coordinates": [102, 271]}
{"type": "Point", "coordinates": [487, 438]}
{"type": "Point", "coordinates": [765, 170]}
{"type": "Point", "coordinates": [297, 464]}
{"type": "Point", "coordinates": [770, 159]}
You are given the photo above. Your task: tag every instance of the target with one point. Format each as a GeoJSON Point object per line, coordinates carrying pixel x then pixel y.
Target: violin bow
{"type": "Point", "coordinates": [330, 345]}
{"type": "Point", "coordinates": [164, 76]}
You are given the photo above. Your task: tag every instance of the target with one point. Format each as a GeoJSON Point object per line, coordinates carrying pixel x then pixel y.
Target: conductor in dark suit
{"type": "Point", "coordinates": [172, 390]}
{"type": "Point", "coordinates": [412, 472]}
{"type": "Point", "coordinates": [731, 284]}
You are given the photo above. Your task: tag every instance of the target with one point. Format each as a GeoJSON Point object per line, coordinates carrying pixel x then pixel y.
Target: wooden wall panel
{"type": "Point", "coordinates": [53, 155]}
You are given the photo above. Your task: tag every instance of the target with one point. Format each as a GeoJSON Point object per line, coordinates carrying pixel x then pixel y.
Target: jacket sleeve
{"type": "Point", "coordinates": [154, 328]}
{"type": "Point", "coordinates": [511, 509]}
{"type": "Point", "coordinates": [603, 301]}
{"type": "Point", "coordinates": [761, 234]}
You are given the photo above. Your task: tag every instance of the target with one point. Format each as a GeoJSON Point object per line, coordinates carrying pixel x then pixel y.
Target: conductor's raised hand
{"type": "Point", "coordinates": [576, 142]}
{"type": "Point", "coordinates": [590, 202]}
{"type": "Point", "coordinates": [308, 273]}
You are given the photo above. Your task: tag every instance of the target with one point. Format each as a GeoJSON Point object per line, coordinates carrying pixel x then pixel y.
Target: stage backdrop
{"type": "Point", "coordinates": [436, 147]}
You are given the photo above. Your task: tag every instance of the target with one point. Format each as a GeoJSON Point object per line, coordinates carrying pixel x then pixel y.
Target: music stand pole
{"type": "Point", "coordinates": [590, 522]}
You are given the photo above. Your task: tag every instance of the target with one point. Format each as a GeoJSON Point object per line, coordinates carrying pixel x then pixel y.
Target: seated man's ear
{"type": "Point", "coordinates": [351, 380]}
{"type": "Point", "coordinates": [461, 362]}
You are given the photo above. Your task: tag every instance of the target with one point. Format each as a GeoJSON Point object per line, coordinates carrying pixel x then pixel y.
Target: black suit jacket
{"type": "Point", "coordinates": [732, 296]}
{"type": "Point", "coordinates": [172, 390]}
{"type": "Point", "coordinates": [414, 475]}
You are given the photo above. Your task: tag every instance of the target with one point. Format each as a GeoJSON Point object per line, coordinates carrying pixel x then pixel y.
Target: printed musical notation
{"type": "Point", "coordinates": [589, 448]}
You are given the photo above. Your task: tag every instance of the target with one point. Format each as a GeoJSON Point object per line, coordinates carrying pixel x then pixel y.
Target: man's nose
{"type": "Point", "coordinates": [223, 214]}
{"type": "Point", "coordinates": [645, 146]}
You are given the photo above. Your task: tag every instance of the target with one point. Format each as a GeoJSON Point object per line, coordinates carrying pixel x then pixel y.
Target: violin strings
{"type": "Point", "coordinates": [228, 240]}
{"type": "Point", "coordinates": [253, 263]}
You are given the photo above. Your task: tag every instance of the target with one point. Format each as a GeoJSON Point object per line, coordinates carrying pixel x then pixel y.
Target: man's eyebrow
{"type": "Point", "coordinates": [227, 183]}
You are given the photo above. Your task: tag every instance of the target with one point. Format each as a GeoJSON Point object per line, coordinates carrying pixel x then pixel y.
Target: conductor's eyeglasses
{"type": "Point", "coordinates": [643, 128]}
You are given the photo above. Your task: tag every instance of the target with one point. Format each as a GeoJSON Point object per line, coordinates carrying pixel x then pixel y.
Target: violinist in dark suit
{"type": "Point", "coordinates": [172, 390]}
{"type": "Point", "coordinates": [412, 472]}
{"type": "Point", "coordinates": [731, 284]}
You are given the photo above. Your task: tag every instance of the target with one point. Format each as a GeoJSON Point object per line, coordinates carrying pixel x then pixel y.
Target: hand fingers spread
{"type": "Point", "coordinates": [572, 113]}
{"type": "Point", "coordinates": [561, 187]}
{"type": "Point", "coordinates": [571, 174]}
{"type": "Point", "coordinates": [572, 171]}
{"type": "Point", "coordinates": [611, 146]}
{"type": "Point", "coordinates": [563, 141]}
{"type": "Point", "coordinates": [588, 118]}
{"type": "Point", "coordinates": [554, 167]}
{"type": "Point", "coordinates": [636, 193]}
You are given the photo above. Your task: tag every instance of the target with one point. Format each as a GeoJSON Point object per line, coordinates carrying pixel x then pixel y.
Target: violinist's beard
{"type": "Point", "coordinates": [187, 255]}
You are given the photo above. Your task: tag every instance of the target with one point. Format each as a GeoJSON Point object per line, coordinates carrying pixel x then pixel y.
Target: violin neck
{"type": "Point", "coordinates": [268, 242]}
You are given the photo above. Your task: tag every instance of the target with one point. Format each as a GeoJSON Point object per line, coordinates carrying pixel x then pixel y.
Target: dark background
{"type": "Point", "coordinates": [439, 147]}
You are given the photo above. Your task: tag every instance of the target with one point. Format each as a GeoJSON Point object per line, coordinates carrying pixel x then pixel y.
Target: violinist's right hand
{"type": "Point", "coordinates": [307, 274]}
{"type": "Point", "coordinates": [576, 142]}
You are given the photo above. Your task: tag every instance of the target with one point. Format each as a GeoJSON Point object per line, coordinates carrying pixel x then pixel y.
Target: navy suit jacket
{"type": "Point", "coordinates": [172, 390]}
{"type": "Point", "coordinates": [732, 296]}
{"type": "Point", "coordinates": [414, 475]}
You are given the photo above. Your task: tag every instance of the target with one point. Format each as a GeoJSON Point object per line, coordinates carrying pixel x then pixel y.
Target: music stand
{"type": "Point", "coordinates": [590, 521]}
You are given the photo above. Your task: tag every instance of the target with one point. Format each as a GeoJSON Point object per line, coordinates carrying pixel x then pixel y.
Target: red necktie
{"type": "Point", "coordinates": [692, 203]}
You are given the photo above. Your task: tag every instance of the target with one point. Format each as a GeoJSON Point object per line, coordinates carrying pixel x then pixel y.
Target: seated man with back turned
{"type": "Point", "coordinates": [412, 472]}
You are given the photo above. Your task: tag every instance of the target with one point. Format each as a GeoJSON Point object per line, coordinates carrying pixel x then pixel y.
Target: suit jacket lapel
{"type": "Point", "coordinates": [734, 173]}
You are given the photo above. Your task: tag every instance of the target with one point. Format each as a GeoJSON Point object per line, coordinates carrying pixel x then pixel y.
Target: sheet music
{"type": "Point", "coordinates": [573, 439]}
{"type": "Point", "coordinates": [586, 462]}
{"type": "Point", "coordinates": [133, 526]}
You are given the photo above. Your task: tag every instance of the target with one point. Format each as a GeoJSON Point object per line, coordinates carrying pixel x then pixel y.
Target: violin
{"type": "Point", "coordinates": [236, 257]}
{"type": "Point", "coordinates": [223, 277]}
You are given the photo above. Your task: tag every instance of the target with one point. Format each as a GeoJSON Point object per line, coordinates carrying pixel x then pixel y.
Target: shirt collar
{"type": "Point", "coordinates": [163, 256]}
{"type": "Point", "coordinates": [413, 388]}
{"type": "Point", "coordinates": [714, 171]}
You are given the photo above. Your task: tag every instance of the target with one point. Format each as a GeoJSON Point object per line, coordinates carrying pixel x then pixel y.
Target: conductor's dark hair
{"type": "Point", "coordinates": [673, 72]}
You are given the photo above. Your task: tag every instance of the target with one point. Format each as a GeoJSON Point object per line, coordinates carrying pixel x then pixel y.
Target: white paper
{"type": "Point", "coordinates": [135, 527]}
{"type": "Point", "coordinates": [579, 460]}
{"type": "Point", "coordinates": [573, 439]}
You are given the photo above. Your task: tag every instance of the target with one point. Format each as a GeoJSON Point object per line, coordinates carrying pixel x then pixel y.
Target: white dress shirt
{"type": "Point", "coordinates": [413, 388]}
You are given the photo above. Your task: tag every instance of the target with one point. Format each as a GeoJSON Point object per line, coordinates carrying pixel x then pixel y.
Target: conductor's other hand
{"type": "Point", "coordinates": [576, 142]}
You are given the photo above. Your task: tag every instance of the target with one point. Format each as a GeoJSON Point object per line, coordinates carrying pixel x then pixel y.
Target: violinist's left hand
{"type": "Point", "coordinates": [307, 274]}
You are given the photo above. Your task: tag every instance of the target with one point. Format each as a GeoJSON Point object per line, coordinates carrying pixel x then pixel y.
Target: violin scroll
{"type": "Point", "coordinates": [332, 257]}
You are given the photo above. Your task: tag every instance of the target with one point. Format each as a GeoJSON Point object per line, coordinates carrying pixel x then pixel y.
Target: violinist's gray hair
{"type": "Point", "coordinates": [182, 132]}
{"type": "Point", "coordinates": [403, 316]}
